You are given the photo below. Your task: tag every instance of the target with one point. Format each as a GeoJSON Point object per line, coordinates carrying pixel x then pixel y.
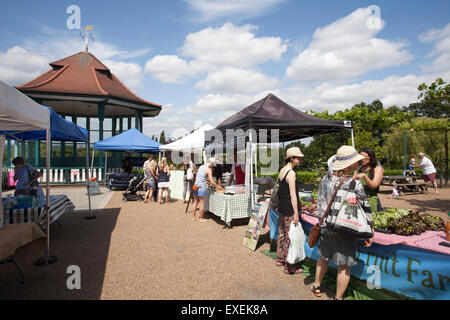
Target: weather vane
{"type": "Point", "coordinates": [86, 35]}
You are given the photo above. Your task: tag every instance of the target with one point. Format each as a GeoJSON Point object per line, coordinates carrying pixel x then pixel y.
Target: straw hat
{"type": "Point", "coordinates": [345, 157]}
{"type": "Point", "coordinates": [213, 161]}
{"type": "Point", "coordinates": [294, 152]}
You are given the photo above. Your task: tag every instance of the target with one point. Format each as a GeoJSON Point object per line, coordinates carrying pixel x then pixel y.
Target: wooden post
{"type": "Point", "coordinates": [440, 173]}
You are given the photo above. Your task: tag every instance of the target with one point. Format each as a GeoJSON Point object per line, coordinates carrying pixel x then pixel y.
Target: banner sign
{"type": "Point", "coordinates": [254, 226]}
{"type": "Point", "coordinates": [411, 271]}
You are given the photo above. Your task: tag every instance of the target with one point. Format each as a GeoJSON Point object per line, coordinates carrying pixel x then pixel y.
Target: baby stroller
{"type": "Point", "coordinates": [132, 193]}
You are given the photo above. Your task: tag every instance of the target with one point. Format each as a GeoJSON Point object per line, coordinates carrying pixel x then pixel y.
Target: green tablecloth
{"type": "Point", "coordinates": [229, 207]}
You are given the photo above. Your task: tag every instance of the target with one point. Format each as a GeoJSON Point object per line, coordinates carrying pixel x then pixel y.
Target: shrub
{"type": "Point", "coordinates": [305, 177]}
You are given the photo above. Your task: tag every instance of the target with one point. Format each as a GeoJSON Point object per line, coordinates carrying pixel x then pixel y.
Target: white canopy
{"type": "Point", "coordinates": [193, 142]}
{"type": "Point", "coordinates": [20, 113]}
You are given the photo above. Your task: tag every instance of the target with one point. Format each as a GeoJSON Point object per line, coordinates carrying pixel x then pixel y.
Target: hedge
{"type": "Point", "coordinates": [305, 177]}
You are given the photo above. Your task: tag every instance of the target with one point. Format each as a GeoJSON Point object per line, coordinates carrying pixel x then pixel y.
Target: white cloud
{"type": "Point", "coordinates": [222, 104]}
{"type": "Point", "coordinates": [346, 48]}
{"type": "Point", "coordinates": [435, 34]}
{"type": "Point", "coordinates": [208, 10]}
{"type": "Point", "coordinates": [236, 80]}
{"type": "Point", "coordinates": [392, 90]}
{"type": "Point", "coordinates": [231, 45]}
{"type": "Point", "coordinates": [18, 65]}
{"type": "Point", "coordinates": [441, 49]}
{"type": "Point", "coordinates": [211, 50]}
{"type": "Point", "coordinates": [168, 68]}
{"type": "Point", "coordinates": [129, 73]}
{"type": "Point", "coordinates": [169, 120]}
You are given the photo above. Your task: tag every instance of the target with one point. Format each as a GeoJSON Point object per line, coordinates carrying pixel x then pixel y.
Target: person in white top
{"type": "Point", "coordinates": [428, 170]}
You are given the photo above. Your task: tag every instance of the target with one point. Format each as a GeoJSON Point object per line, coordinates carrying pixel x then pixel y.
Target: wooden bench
{"type": "Point", "coordinates": [422, 186]}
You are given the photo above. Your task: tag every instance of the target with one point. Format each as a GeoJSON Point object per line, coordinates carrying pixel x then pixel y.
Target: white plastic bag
{"type": "Point", "coordinates": [296, 252]}
{"type": "Point", "coordinates": [189, 175]}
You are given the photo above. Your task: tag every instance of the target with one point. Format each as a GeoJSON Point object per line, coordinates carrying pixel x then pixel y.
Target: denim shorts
{"type": "Point", "coordinates": [150, 184]}
{"type": "Point", "coordinates": [201, 192]}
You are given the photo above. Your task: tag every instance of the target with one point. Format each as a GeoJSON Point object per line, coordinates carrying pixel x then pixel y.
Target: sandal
{"type": "Point", "coordinates": [316, 291]}
{"type": "Point", "coordinates": [296, 271]}
{"type": "Point", "coordinates": [280, 264]}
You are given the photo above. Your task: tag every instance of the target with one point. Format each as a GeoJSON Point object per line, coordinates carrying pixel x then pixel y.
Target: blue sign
{"type": "Point", "coordinates": [413, 272]}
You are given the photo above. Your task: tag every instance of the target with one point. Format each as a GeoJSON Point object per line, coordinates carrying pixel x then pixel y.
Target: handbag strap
{"type": "Point", "coordinates": [331, 202]}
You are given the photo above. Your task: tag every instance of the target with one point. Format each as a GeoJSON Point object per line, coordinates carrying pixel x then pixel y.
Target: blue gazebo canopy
{"type": "Point", "coordinates": [60, 128]}
{"type": "Point", "coordinates": [132, 141]}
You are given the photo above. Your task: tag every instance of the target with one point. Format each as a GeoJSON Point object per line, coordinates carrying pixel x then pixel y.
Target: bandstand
{"type": "Point", "coordinates": [86, 92]}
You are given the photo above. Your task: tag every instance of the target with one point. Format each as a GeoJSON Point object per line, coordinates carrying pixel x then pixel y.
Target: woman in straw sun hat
{"type": "Point", "coordinates": [338, 247]}
{"type": "Point", "coordinates": [289, 207]}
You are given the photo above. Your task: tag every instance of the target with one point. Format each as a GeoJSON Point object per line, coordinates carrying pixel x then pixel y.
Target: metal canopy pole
{"type": "Point", "coordinates": [353, 138]}
{"type": "Point", "coordinates": [48, 259]}
{"type": "Point", "coordinates": [88, 176]}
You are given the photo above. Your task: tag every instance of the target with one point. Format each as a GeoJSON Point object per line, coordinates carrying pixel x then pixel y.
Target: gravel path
{"type": "Point", "coordinates": [149, 251]}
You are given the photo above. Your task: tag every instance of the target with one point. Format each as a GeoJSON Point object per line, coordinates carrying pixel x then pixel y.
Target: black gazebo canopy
{"type": "Point", "coordinates": [273, 113]}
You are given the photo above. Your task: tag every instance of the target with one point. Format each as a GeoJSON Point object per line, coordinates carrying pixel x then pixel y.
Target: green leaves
{"type": "Point", "coordinates": [435, 101]}
{"type": "Point", "coordinates": [382, 219]}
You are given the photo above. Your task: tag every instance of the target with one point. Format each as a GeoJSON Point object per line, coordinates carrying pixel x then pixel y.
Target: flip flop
{"type": "Point", "coordinates": [316, 291]}
{"type": "Point", "coordinates": [280, 264]}
{"type": "Point", "coordinates": [297, 271]}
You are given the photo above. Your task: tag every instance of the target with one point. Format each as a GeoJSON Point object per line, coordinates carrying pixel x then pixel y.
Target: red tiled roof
{"type": "Point", "coordinates": [82, 73]}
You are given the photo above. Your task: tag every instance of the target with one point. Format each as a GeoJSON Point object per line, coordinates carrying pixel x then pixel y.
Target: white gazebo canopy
{"type": "Point", "coordinates": [20, 113]}
{"type": "Point", "coordinates": [195, 142]}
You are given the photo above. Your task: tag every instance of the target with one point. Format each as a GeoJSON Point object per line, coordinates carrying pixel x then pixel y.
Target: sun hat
{"type": "Point", "coordinates": [294, 152]}
{"type": "Point", "coordinates": [345, 157]}
{"type": "Point", "coordinates": [212, 160]}
{"type": "Point", "coordinates": [421, 154]}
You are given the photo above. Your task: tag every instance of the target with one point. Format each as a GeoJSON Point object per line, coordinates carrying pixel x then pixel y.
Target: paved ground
{"type": "Point", "coordinates": [431, 203]}
{"type": "Point", "coordinates": [148, 251]}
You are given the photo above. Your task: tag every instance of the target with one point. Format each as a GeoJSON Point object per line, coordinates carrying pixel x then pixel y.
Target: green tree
{"type": "Point", "coordinates": [435, 100]}
{"type": "Point", "coordinates": [162, 138]}
{"type": "Point", "coordinates": [371, 122]}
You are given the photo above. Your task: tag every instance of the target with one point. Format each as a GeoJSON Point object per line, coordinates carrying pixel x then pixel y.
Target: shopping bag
{"type": "Point", "coordinates": [351, 215]}
{"type": "Point", "coordinates": [189, 175]}
{"type": "Point", "coordinates": [296, 251]}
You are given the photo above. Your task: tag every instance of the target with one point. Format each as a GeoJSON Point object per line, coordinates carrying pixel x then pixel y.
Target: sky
{"type": "Point", "coordinates": [204, 60]}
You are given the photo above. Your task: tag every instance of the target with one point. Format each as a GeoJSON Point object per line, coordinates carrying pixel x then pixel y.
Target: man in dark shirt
{"type": "Point", "coordinates": [217, 173]}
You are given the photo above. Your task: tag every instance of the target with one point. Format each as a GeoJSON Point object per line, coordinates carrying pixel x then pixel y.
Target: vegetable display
{"type": "Point", "coordinates": [383, 218]}
{"type": "Point", "coordinates": [415, 224]}
{"type": "Point", "coordinates": [407, 222]}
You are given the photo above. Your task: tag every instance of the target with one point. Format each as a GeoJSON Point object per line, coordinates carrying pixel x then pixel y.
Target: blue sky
{"type": "Point", "coordinates": [203, 60]}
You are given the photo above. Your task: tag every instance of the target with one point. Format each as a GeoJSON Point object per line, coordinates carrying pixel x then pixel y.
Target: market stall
{"type": "Point", "coordinates": [59, 205]}
{"type": "Point", "coordinates": [23, 119]}
{"type": "Point", "coordinates": [129, 141]}
{"type": "Point", "coordinates": [413, 264]}
{"type": "Point", "coordinates": [191, 144]}
{"type": "Point", "coordinates": [229, 204]}
{"type": "Point", "coordinates": [267, 113]}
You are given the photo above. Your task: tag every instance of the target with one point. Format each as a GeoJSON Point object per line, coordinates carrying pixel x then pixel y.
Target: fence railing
{"type": "Point", "coordinates": [73, 175]}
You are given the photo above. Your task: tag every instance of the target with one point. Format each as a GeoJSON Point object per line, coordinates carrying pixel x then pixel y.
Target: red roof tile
{"type": "Point", "coordinates": [84, 74]}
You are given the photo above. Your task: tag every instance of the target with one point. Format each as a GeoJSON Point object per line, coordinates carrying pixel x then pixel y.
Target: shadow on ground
{"type": "Point", "coordinates": [435, 205]}
{"type": "Point", "coordinates": [80, 242]}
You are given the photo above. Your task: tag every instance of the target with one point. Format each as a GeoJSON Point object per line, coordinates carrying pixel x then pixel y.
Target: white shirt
{"type": "Point", "coordinates": [428, 167]}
